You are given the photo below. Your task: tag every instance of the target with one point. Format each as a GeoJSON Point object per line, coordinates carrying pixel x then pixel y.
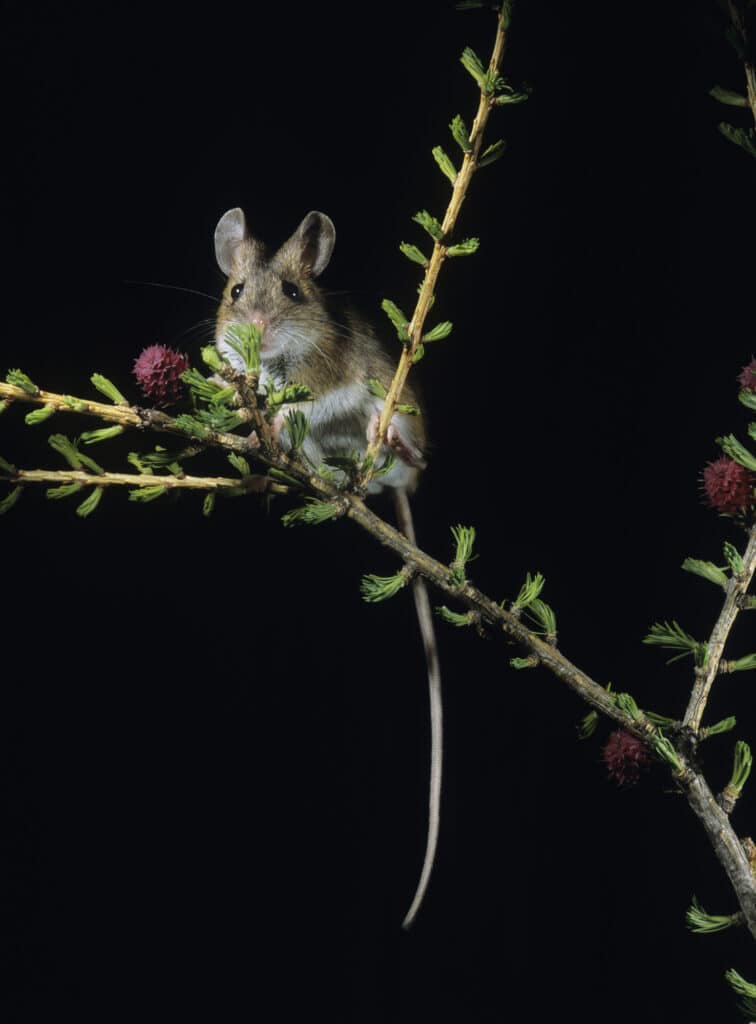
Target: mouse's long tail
{"type": "Point", "coordinates": [428, 633]}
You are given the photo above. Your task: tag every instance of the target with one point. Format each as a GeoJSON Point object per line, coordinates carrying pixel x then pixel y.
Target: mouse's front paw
{"type": "Point", "coordinates": [400, 445]}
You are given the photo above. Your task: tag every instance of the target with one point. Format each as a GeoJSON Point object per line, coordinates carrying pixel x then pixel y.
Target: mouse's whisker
{"type": "Point", "coordinates": [202, 328]}
{"type": "Point", "coordinates": [176, 288]}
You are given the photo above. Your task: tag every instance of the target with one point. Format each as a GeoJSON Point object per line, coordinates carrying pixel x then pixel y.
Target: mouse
{"type": "Point", "coordinates": [305, 338]}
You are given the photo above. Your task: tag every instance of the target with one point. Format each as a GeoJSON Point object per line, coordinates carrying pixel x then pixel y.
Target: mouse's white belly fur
{"type": "Point", "coordinates": [341, 419]}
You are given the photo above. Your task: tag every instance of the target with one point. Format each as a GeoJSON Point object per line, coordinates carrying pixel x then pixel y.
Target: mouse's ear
{"type": "Point", "coordinates": [313, 242]}
{"type": "Point", "coordinates": [230, 233]}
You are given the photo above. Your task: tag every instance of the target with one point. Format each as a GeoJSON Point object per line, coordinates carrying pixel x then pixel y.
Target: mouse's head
{"type": "Point", "coordinates": [277, 293]}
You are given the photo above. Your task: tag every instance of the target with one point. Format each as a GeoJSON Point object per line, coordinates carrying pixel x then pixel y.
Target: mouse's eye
{"type": "Point", "coordinates": [290, 290]}
{"type": "Point", "coordinates": [236, 291]}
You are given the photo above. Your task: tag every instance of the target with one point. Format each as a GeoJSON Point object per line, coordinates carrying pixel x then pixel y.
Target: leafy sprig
{"type": "Point", "coordinates": [673, 637]}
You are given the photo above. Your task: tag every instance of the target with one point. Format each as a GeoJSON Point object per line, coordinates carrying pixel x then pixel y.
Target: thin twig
{"type": "Point", "coordinates": [169, 481]}
{"type": "Point", "coordinates": [128, 416]}
{"type": "Point", "coordinates": [427, 290]}
{"type": "Point", "coordinates": [730, 851]}
{"type": "Point", "coordinates": [125, 415]}
{"type": "Point", "coordinates": [736, 588]}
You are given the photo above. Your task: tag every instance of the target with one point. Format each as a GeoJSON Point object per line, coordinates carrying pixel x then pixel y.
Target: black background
{"type": "Point", "coordinates": [214, 755]}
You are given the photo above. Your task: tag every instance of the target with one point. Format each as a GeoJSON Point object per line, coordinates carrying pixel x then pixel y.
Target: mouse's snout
{"type": "Point", "coordinates": [258, 319]}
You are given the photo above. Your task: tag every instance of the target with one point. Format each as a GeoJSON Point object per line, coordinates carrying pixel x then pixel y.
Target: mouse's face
{"type": "Point", "coordinates": [277, 294]}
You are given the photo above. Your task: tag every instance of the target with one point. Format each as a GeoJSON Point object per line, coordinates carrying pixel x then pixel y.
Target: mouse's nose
{"type": "Point", "coordinates": [258, 318]}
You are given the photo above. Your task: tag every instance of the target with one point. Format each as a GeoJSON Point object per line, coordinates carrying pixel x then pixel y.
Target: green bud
{"type": "Point", "coordinates": [18, 379]}
{"type": "Point", "coordinates": [397, 318]}
{"type": "Point", "coordinates": [509, 96]}
{"type": "Point", "coordinates": [706, 924]}
{"type": "Point", "coordinates": [145, 494]}
{"type": "Point", "coordinates": [376, 388]}
{"type": "Point", "coordinates": [297, 426]}
{"type": "Point", "coordinates": [312, 513]}
{"type": "Point", "coordinates": [519, 663]}
{"type": "Point", "coordinates": [529, 591]}
{"type": "Point", "coordinates": [665, 751]}
{"type": "Point", "coordinates": [212, 358]}
{"type": "Point", "coordinates": [461, 134]}
{"type": "Point", "coordinates": [464, 539]}
{"type": "Point", "coordinates": [224, 396]}
{"type": "Point", "coordinates": [588, 725]}
{"type": "Point", "coordinates": [64, 491]}
{"type": "Point", "coordinates": [454, 618]}
{"type": "Point", "coordinates": [346, 463]}
{"type": "Point", "coordinates": [192, 426]}
{"type": "Point", "coordinates": [733, 558]}
{"type": "Point", "coordinates": [625, 702]}
{"type": "Point", "coordinates": [472, 63]}
{"type": "Point", "coordinates": [220, 418]}
{"type": "Point", "coordinates": [707, 570]}
{"type": "Point", "coordinates": [445, 163]}
{"type": "Point", "coordinates": [204, 389]}
{"type": "Point", "coordinates": [743, 137]}
{"type": "Point", "coordinates": [728, 97]}
{"type": "Point", "coordinates": [493, 153]}
{"type": "Point", "coordinates": [744, 664]}
{"type": "Point", "coordinates": [732, 447]}
{"type": "Point", "coordinates": [90, 503]}
{"type": "Point", "coordinates": [65, 447]}
{"type": "Point", "coordinates": [380, 588]}
{"type": "Point", "coordinates": [429, 224]}
{"type": "Point", "coordinates": [103, 434]}
{"type": "Point", "coordinates": [10, 500]}
{"type": "Point", "coordinates": [745, 989]}
{"type": "Point", "coordinates": [743, 762]}
{"type": "Point", "coordinates": [244, 339]}
{"type": "Point", "coordinates": [674, 637]}
{"type": "Point", "coordinates": [544, 617]}
{"type": "Point", "coordinates": [107, 388]}
{"type": "Point", "coordinates": [464, 248]}
{"type": "Point", "coordinates": [413, 253]}
{"type": "Point", "coordinates": [161, 458]}
{"type": "Point", "coordinates": [748, 399]}
{"type": "Point", "coordinates": [385, 467]}
{"type": "Point", "coordinates": [286, 395]}
{"type": "Point", "coordinates": [725, 725]}
{"type": "Point", "coordinates": [39, 415]}
{"type": "Point", "coordinates": [239, 463]}
{"type": "Point", "coordinates": [441, 330]}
